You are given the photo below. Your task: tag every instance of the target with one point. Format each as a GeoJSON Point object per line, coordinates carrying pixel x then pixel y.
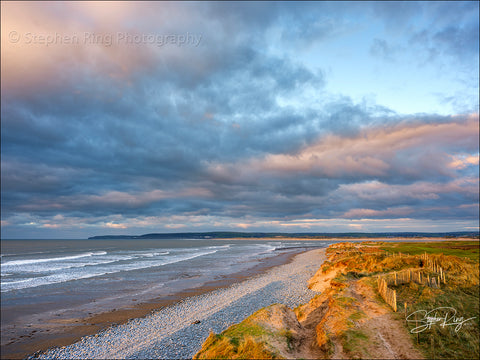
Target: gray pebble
{"type": "Point", "coordinates": [178, 331]}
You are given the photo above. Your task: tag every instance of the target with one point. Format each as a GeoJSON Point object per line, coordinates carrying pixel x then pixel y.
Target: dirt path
{"type": "Point", "coordinates": [387, 337]}
{"type": "Point", "coordinates": [308, 347]}
{"type": "Point", "coordinates": [390, 340]}
{"type": "Point", "coordinates": [339, 353]}
{"type": "Point", "coordinates": [350, 320]}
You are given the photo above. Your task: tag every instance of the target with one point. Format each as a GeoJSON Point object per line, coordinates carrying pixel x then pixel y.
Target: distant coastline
{"type": "Point", "coordinates": [273, 235]}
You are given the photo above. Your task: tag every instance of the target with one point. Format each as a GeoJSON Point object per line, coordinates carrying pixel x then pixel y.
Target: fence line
{"type": "Point", "coordinates": [434, 265]}
{"type": "Point", "coordinates": [406, 276]}
{"type": "Point", "coordinates": [416, 276]}
{"type": "Point", "coordinates": [431, 263]}
{"type": "Point", "coordinates": [389, 295]}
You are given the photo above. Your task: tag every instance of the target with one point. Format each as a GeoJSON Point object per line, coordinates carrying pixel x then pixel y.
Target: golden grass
{"type": "Point", "coordinates": [250, 339]}
{"type": "Point", "coordinates": [460, 262]}
{"type": "Point", "coordinates": [340, 321]}
{"type": "Point", "coordinates": [224, 347]}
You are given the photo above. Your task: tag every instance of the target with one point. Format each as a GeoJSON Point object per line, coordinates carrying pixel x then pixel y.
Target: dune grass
{"type": "Point", "coordinates": [355, 343]}
{"type": "Point", "coordinates": [245, 340]}
{"type": "Point", "coordinates": [460, 260]}
{"type": "Point", "coordinates": [460, 293]}
{"type": "Point", "coordinates": [443, 341]}
{"type": "Point", "coordinates": [225, 347]}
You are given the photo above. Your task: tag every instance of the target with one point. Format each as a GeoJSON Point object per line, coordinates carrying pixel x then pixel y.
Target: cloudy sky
{"type": "Point", "coordinates": [129, 118]}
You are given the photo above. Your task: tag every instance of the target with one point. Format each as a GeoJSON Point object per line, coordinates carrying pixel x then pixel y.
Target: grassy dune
{"type": "Point", "coordinates": [349, 319]}
{"type": "Point", "coordinates": [461, 292]}
{"type": "Point", "coordinates": [266, 334]}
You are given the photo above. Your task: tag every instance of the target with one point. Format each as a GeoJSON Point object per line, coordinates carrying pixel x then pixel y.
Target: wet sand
{"type": "Point", "coordinates": [62, 332]}
{"type": "Point", "coordinates": [178, 331]}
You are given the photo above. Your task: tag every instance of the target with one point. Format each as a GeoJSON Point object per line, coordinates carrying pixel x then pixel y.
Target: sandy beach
{"type": "Point", "coordinates": [178, 330]}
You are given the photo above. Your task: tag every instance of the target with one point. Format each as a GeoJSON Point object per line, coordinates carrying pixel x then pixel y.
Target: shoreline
{"type": "Point", "coordinates": [179, 330]}
{"type": "Point", "coordinates": [64, 332]}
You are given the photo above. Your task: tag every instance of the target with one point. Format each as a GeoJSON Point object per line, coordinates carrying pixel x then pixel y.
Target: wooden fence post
{"type": "Point", "coordinates": [415, 323]}
{"type": "Point", "coordinates": [433, 346]}
{"type": "Point", "coordinates": [395, 300]}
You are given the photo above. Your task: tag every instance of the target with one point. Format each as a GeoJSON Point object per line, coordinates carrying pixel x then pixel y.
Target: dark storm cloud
{"type": "Point", "coordinates": [106, 135]}
{"type": "Point", "coordinates": [158, 132]}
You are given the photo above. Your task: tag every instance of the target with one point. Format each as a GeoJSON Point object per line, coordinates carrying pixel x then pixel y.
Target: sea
{"type": "Point", "coordinates": [41, 279]}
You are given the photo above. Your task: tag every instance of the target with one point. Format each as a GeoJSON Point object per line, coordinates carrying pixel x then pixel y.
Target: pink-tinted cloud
{"type": "Point", "coordinates": [410, 149]}
{"type": "Point", "coordinates": [375, 190]}
{"type": "Point", "coordinates": [374, 152]}
{"type": "Point", "coordinates": [370, 213]}
{"type": "Point", "coordinates": [463, 161]}
{"type": "Point", "coordinates": [48, 47]}
{"type": "Point", "coordinates": [115, 226]}
{"type": "Point", "coordinates": [114, 199]}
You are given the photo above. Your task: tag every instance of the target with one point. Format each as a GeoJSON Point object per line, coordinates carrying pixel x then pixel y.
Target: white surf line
{"type": "Point", "coordinates": [127, 340]}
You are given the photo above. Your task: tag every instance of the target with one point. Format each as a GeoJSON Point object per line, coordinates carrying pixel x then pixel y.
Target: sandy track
{"type": "Point", "coordinates": [388, 338]}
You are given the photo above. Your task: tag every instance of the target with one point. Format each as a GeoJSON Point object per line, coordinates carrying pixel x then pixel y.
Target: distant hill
{"type": "Point", "coordinates": [258, 235]}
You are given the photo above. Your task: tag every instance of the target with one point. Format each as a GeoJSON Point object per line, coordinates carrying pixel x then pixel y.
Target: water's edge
{"type": "Point", "coordinates": [67, 331]}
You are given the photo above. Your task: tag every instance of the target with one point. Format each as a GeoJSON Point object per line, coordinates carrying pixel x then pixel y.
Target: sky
{"type": "Point", "coordinates": [132, 118]}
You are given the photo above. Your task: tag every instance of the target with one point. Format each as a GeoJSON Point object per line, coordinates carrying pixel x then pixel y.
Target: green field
{"type": "Point", "coordinates": [462, 249]}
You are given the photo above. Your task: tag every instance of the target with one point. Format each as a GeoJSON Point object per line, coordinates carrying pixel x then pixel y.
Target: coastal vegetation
{"type": "Point", "coordinates": [460, 292]}
{"type": "Point", "coordinates": [350, 319]}
{"type": "Point", "coordinates": [267, 334]}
